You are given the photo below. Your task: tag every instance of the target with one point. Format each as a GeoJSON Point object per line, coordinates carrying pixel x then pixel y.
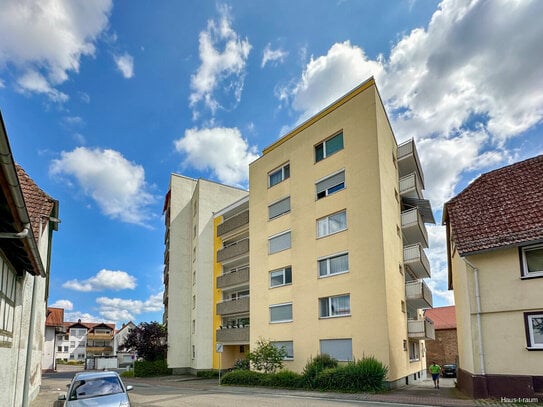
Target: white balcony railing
{"type": "Point", "coordinates": [421, 329]}
{"type": "Point", "coordinates": [413, 228]}
{"type": "Point", "coordinates": [417, 262]}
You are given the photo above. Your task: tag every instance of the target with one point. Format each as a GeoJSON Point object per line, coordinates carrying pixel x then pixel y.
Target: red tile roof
{"type": "Point", "coordinates": [55, 317]}
{"type": "Point", "coordinates": [499, 209]}
{"type": "Point", "coordinates": [89, 325]}
{"type": "Point", "coordinates": [443, 317]}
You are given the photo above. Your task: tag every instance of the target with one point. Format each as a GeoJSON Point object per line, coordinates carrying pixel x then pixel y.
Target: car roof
{"type": "Point", "coordinates": [95, 375]}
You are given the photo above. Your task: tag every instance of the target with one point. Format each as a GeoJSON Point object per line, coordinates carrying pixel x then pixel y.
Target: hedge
{"type": "Point", "coordinates": [156, 368]}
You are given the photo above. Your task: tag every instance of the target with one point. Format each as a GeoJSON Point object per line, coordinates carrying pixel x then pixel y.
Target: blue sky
{"type": "Point", "coordinates": [103, 100]}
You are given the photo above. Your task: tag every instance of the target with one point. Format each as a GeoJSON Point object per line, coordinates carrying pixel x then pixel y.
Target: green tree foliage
{"type": "Point", "coordinates": [267, 357]}
{"type": "Point", "coordinates": [148, 339]}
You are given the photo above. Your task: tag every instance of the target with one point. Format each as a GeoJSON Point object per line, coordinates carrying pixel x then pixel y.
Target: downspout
{"type": "Point", "coordinates": [16, 235]}
{"type": "Point", "coordinates": [478, 305]}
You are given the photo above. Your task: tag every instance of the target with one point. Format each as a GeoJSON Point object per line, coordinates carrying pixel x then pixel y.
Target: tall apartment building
{"type": "Point", "coordinates": [188, 269]}
{"type": "Point", "coordinates": [336, 224]}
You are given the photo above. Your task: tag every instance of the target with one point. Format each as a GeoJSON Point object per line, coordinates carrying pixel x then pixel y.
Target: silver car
{"type": "Point", "coordinates": [104, 389]}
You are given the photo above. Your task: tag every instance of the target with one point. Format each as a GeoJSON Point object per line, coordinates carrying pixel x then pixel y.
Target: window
{"type": "Point", "coordinates": [332, 224]}
{"type": "Point", "coordinates": [534, 329]}
{"type": "Point", "coordinates": [288, 346]}
{"type": "Point", "coordinates": [8, 287]}
{"type": "Point", "coordinates": [281, 174]}
{"type": "Point", "coordinates": [337, 306]}
{"type": "Point", "coordinates": [65, 349]}
{"type": "Point", "coordinates": [194, 351]}
{"type": "Point", "coordinates": [281, 313]}
{"type": "Point", "coordinates": [72, 344]}
{"type": "Point", "coordinates": [281, 277]}
{"type": "Point", "coordinates": [59, 348]}
{"type": "Point", "coordinates": [329, 147]}
{"type": "Point", "coordinates": [532, 261]}
{"type": "Point", "coordinates": [334, 265]}
{"type": "Point", "coordinates": [330, 185]}
{"type": "Point", "coordinates": [414, 351]}
{"type": "Point", "coordinates": [279, 208]}
{"type": "Point", "coordinates": [279, 242]}
{"type": "Point", "coordinates": [340, 349]}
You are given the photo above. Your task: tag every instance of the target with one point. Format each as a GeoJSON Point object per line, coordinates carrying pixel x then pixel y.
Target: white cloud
{"type": "Point", "coordinates": [222, 150]}
{"type": "Point", "coordinates": [103, 280]}
{"type": "Point", "coordinates": [118, 309]}
{"type": "Point", "coordinates": [117, 185]}
{"type": "Point", "coordinates": [274, 56]}
{"type": "Point", "coordinates": [125, 64]}
{"type": "Point", "coordinates": [67, 305]}
{"type": "Point", "coordinates": [45, 40]}
{"type": "Point", "coordinates": [224, 66]}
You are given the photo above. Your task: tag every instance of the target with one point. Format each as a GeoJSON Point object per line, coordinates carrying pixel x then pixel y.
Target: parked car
{"type": "Point", "coordinates": [449, 370]}
{"type": "Point", "coordinates": [104, 389]}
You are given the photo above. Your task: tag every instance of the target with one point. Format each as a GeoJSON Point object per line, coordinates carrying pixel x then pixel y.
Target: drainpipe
{"type": "Point", "coordinates": [16, 235]}
{"type": "Point", "coordinates": [478, 304]}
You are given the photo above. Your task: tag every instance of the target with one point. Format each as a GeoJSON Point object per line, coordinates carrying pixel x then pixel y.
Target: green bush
{"type": "Point", "coordinates": [285, 379]}
{"type": "Point", "coordinates": [366, 375]}
{"type": "Point", "coordinates": [156, 368]}
{"type": "Point", "coordinates": [243, 377]}
{"type": "Point", "coordinates": [208, 374]}
{"type": "Point", "coordinates": [128, 373]}
{"type": "Point", "coordinates": [242, 364]}
{"type": "Point", "coordinates": [316, 365]}
{"type": "Point", "coordinates": [267, 356]}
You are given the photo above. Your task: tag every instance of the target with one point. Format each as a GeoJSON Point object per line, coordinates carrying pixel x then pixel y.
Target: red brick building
{"type": "Point", "coordinates": [444, 349]}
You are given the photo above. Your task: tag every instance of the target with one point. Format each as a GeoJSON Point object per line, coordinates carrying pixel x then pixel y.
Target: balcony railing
{"type": "Point", "coordinates": [420, 329]}
{"type": "Point", "coordinates": [408, 159]}
{"type": "Point", "coordinates": [415, 259]}
{"type": "Point", "coordinates": [233, 335]}
{"type": "Point", "coordinates": [237, 277]}
{"type": "Point", "coordinates": [413, 228]}
{"type": "Point", "coordinates": [100, 337]}
{"type": "Point", "coordinates": [237, 306]}
{"type": "Point", "coordinates": [411, 186]}
{"type": "Point", "coordinates": [418, 295]}
{"type": "Point", "coordinates": [236, 249]}
{"type": "Point", "coordinates": [99, 349]}
{"type": "Point", "coordinates": [233, 223]}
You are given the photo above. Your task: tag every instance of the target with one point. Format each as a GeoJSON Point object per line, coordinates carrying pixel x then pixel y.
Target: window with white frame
{"type": "Point", "coordinates": [336, 264]}
{"type": "Point", "coordinates": [8, 289]}
{"type": "Point", "coordinates": [279, 208]}
{"type": "Point", "coordinates": [278, 175]}
{"type": "Point", "coordinates": [532, 261]}
{"type": "Point", "coordinates": [288, 346]}
{"type": "Point", "coordinates": [329, 147]}
{"type": "Point", "coordinates": [281, 312]}
{"type": "Point", "coordinates": [281, 277]}
{"type": "Point", "coordinates": [534, 329]}
{"type": "Point", "coordinates": [279, 242]}
{"type": "Point", "coordinates": [331, 184]}
{"type": "Point", "coordinates": [332, 224]}
{"type": "Point", "coordinates": [414, 350]}
{"type": "Point", "coordinates": [339, 349]}
{"type": "Point", "coordinates": [337, 306]}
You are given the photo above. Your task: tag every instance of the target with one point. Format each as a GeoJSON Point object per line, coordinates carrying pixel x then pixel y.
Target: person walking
{"type": "Point", "coordinates": [435, 370]}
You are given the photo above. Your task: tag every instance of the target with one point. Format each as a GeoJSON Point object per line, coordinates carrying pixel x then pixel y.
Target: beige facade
{"type": "Point", "coordinates": [188, 269]}
{"type": "Point", "coordinates": [330, 224]}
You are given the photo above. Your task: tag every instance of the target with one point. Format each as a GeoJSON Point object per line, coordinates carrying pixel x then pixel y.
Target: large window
{"type": "Point", "coordinates": [338, 306]}
{"type": "Point", "coordinates": [532, 261]}
{"type": "Point", "coordinates": [534, 329]}
{"type": "Point", "coordinates": [278, 175]}
{"type": "Point", "coordinates": [334, 265]}
{"type": "Point", "coordinates": [279, 242]}
{"type": "Point", "coordinates": [281, 277]}
{"type": "Point", "coordinates": [332, 224]}
{"type": "Point", "coordinates": [329, 147]}
{"type": "Point", "coordinates": [330, 185]}
{"type": "Point", "coordinates": [8, 289]}
{"type": "Point", "coordinates": [340, 349]}
{"type": "Point", "coordinates": [288, 346]}
{"type": "Point", "coordinates": [281, 313]}
{"type": "Point", "coordinates": [279, 208]}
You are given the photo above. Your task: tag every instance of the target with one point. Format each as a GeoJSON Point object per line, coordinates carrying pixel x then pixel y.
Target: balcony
{"type": "Point", "coordinates": [408, 160]}
{"type": "Point", "coordinates": [99, 350]}
{"type": "Point", "coordinates": [233, 223]}
{"type": "Point", "coordinates": [411, 186]}
{"type": "Point", "coordinates": [236, 249]}
{"type": "Point", "coordinates": [415, 259]}
{"type": "Point", "coordinates": [418, 295]}
{"type": "Point", "coordinates": [233, 335]}
{"type": "Point", "coordinates": [100, 337]}
{"type": "Point", "coordinates": [413, 228]}
{"type": "Point", "coordinates": [237, 277]}
{"type": "Point", "coordinates": [237, 306]}
{"type": "Point", "coordinates": [420, 329]}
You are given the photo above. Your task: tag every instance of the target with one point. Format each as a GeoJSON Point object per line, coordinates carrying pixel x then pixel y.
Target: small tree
{"type": "Point", "coordinates": [148, 339]}
{"type": "Point", "coordinates": [266, 356]}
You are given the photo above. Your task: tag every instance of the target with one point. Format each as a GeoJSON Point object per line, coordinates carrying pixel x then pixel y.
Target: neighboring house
{"type": "Point", "coordinates": [125, 357]}
{"type": "Point", "coordinates": [54, 324]}
{"type": "Point", "coordinates": [495, 256]}
{"type": "Point", "coordinates": [82, 340]}
{"type": "Point", "coordinates": [188, 269]}
{"type": "Point", "coordinates": [28, 217]}
{"type": "Point", "coordinates": [444, 349]}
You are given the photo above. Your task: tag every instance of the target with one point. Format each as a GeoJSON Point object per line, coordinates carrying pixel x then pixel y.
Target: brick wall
{"type": "Point", "coordinates": [444, 349]}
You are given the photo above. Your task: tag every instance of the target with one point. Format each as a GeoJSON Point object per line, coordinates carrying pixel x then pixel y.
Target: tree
{"type": "Point", "coordinates": [267, 356]}
{"type": "Point", "coordinates": [148, 339]}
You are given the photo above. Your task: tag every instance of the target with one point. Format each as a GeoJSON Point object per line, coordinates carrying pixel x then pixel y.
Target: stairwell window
{"type": "Point", "coordinates": [329, 147]}
{"type": "Point", "coordinates": [331, 184]}
{"type": "Point", "coordinates": [532, 261]}
{"type": "Point", "coordinates": [336, 264]}
{"type": "Point", "coordinates": [281, 277]}
{"type": "Point", "coordinates": [332, 224]}
{"type": "Point", "coordinates": [338, 306]}
{"type": "Point", "coordinates": [534, 330]}
{"type": "Point", "coordinates": [278, 175]}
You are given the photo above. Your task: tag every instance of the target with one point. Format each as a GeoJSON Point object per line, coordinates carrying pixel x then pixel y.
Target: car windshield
{"type": "Point", "coordinates": [100, 386]}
